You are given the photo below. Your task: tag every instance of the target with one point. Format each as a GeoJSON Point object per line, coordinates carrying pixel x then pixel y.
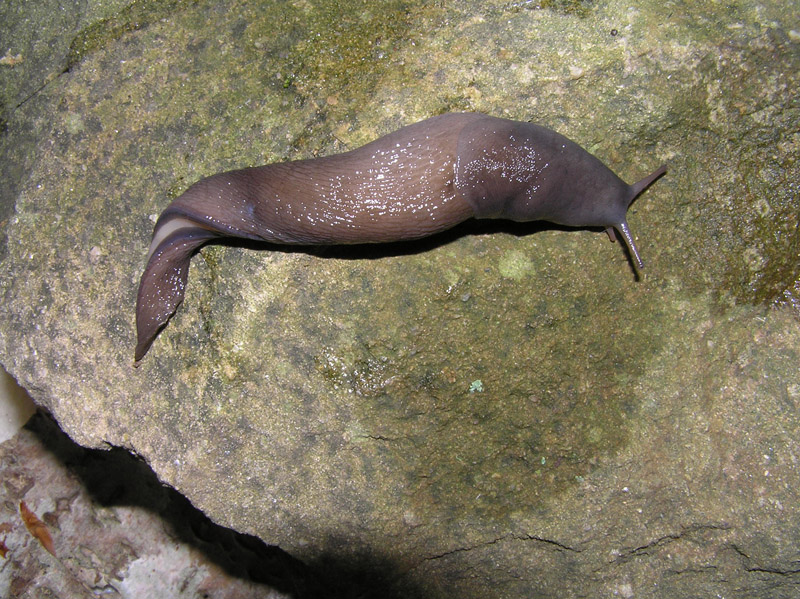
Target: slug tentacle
{"type": "Point", "coordinates": [622, 227]}
{"type": "Point", "coordinates": [628, 239]}
{"type": "Point", "coordinates": [646, 182]}
{"type": "Point", "coordinates": [418, 181]}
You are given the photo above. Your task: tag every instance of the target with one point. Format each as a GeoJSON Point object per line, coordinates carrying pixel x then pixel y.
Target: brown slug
{"type": "Point", "coordinates": [417, 181]}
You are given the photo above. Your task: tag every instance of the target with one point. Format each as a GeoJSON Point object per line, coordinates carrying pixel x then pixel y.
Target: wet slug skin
{"type": "Point", "coordinates": [419, 180]}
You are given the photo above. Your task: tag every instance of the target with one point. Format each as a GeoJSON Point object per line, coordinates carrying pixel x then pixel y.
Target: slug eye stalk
{"type": "Point", "coordinates": [622, 230]}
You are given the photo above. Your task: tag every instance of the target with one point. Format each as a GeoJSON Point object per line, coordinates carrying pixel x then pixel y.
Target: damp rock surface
{"type": "Point", "coordinates": [499, 411]}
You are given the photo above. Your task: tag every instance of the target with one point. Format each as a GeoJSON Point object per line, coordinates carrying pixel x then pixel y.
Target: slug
{"type": "Point", "coordinates": [417, 181]}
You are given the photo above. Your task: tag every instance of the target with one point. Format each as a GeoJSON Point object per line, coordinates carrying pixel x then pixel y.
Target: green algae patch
{"type": "Point", "coordinates": [136, 15]}
{"type": "Point", "coordinates": [739, 216]}
{"type": "Point", "coordinates": [581, 8]}
{"type": "Point", "coordinates": [326, 44]}
{"type": "Point", "coordinates": [527, 393]}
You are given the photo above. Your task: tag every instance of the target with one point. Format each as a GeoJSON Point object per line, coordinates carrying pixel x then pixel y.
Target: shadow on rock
{"type": "Point", "coordinates": [117, 478]}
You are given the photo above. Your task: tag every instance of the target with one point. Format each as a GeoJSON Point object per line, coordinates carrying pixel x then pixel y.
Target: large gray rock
{"type": "Point", "coordinates": [497, 412]}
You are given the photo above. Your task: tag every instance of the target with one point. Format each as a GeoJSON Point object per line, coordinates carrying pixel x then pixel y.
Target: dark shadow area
{"type": "Point", "coordinates": [375, 251]}
{"type": "Point", "coordinates": [116, 477]}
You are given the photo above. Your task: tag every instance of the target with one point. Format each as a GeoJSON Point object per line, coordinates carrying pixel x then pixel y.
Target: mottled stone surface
{"type": "Point", "coordinates": [115, 531]}
{"type": "Point", "coordinates": [500, 411]}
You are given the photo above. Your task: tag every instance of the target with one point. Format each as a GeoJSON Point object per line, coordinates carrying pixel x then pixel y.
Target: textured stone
{"type": "Point", "coordinates": [116, 532]}
{"type": "Point", "coordinates": [636, 438]}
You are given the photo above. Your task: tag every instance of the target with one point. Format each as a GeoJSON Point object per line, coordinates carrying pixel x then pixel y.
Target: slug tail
{"type": "Point", "coordinates": [163, 282]}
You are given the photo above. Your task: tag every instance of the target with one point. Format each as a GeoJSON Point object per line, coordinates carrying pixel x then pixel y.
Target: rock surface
{"type": "Point", "coordinates": [115, 531]}
{"type": "Point", "coordinates": [500, 411]}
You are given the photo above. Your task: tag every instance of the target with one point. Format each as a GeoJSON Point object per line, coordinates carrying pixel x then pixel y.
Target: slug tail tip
{"type": "Point", "coordinates": [163, 284]}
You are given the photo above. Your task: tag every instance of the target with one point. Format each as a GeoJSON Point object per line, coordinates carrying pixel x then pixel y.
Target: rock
{"type": "Point", "coordinates": [116, 532]}
{"type": "Point", "coordinates": [632, 437]}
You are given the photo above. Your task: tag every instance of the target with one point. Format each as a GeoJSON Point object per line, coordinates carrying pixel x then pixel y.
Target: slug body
{"type": "Point", "coordinates": [417, 181]}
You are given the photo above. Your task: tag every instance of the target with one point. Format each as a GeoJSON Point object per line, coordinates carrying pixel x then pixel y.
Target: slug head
{"type": "Point", "coordinates": [524, 172]}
